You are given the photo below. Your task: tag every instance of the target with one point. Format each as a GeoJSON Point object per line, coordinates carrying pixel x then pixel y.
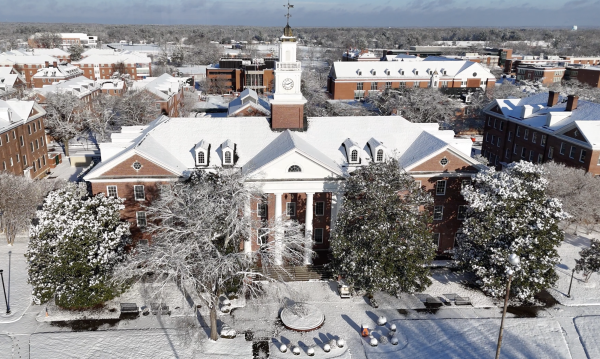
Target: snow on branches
{"type": "Point", "coordinates": [589, 261]}
{"type": "Point", "coordinates": [198, 230]}
{"type": "Point", "coordinates": [509, 212]}
{"type": "Point", "coordinates": [382, 240]}
{"type": "Point", "coordinates": [74, 248]}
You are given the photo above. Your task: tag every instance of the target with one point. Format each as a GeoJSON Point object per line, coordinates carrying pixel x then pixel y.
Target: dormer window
{"type": "Point", "coordinates": [377, 150]}
{"type": "Point", "coordinates": [227, 157]}
{"type": "Point", "coordinates": [373, 72]}
{"type": "Point", "coordinates": [351, 151]}
{"type": "Point", "coordinates": [401, 72]}
{"type": "Point", "coordinates": [202, 149]}
{"type": "Point", "coordinates": [387, 72]}
{"type": "Point", "coordinates": [443, 72]}
{"type": "Point", "coordinates": [379, 157]}
{"type": "Point", "coordinates": [359, 72]}
{"type": "Point", "coordinates": [228, 153]}
{"type": "Point", "coordinates": [416, 72]}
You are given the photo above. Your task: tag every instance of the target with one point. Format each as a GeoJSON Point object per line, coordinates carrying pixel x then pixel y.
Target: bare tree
{"type": "Point", "coordinates": [187, 103]}
{"type": "Point", "coordinates": [579, 192]}
{"type": "Point", "coordinates": [137, 108]}
{"type": "Point", "coordinates": [19, 198]}
{"type": "Point", "coordinates": [48, 40]}
{"type": "Point", "coordinates": [65, 117]}
{"type": "Point", "coordinates": [198, 228]}
{"type": "Point", "coordinates": [103, 118]}
{"type": "Point", "coordinates": [419, 105]}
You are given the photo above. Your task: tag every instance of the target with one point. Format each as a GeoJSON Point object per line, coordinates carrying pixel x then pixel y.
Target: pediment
{"type": "Point", "coordinates": [286, 167]}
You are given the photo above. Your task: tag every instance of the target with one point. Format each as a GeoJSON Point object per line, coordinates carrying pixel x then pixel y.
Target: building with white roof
{"type": "Point", "coordinates": [10, 81]}
{"type": "Point", "coordinates": [23, 149]}
{"type": "Point", "coordinates": [97, 67]}
{"type": "Point", "coordinates": [27, 66]}
{"type": "Point", "coordinates": [167, 90]}
{"type": "Point", "coordinates": [55, 73]}
{"type": "Point", "coordinates": [68, 39]}
{"type": "Point", "coordinates": [82, 87]}
{"type": "Point", "coordinates": [354, 80]}
{"type": "Point", "coordinates": [300, 164]}
{"type": "Point", "coordinates": [543, 127]}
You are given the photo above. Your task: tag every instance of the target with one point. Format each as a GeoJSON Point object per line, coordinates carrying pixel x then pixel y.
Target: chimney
{"type": "Point", "coordinates": [55, 64]}
{"type": "Point", "coordinates": [552, 98]}
{"type": "Point", "coordinates": [572, 102]}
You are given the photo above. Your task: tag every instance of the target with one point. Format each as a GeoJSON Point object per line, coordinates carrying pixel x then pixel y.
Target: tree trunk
{"type": "Point", "coordinates": [214, 335]}
{"type": "Point", "coordinates": [66, 146]}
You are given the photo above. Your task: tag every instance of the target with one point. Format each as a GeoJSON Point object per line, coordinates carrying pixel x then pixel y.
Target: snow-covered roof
{"type": "Point", "coordinates": [111, 84]}
{"type": "Point", "coordinates": [586, 116]}
{"type": "Point", "coordinates": [171, 141]}
{"type": "Point", "coordinates": [14, 113]}
{"type": "Point", "coordinates": [29, 60]}
{"type": "Point", "coordinates": [351, 70]}
{"type": "Point", "coordinates": [248, 98]}
{"type": "Point", "coordinates": [61, 70]}
{"type": "Point", "coordinates": [79, 86]}
{"type": "Point", "coordinates": [103, 52]}
{"type": "Point", "coordinates": [130, 58]}
{"type": "Point", "coordinates": [164, 86]}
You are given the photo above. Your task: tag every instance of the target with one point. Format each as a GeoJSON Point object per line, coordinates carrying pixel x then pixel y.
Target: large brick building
{"type": "Point", "coordinates": [589, 75]}
{"type": "Point", "coordinates": [102, 67]}
{"type": "Point", "coordinates": [81, 87]}
{"type": "Point", "coordinates": [237, 74]}
{"type": "Point", "coordinates": [541, 128]}
{"type": "Point", "coordinates": [23, 148]}
{"type": "Point", "coordinates": [300, 165]}
{"type": "Point", "coordinates": [54, 73]}
{"type": "Point", "coordinates": [27, 66]}
{"type": "Point", "coordinates": [354, 80]}
{"type": "Point", "coordinates": [166, 89]}
{"type": "Point", "coordinates": [546, 74]}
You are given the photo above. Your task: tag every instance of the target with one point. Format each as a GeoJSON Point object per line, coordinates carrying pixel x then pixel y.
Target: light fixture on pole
{"type": "Point", "coordinates": [514, 260]}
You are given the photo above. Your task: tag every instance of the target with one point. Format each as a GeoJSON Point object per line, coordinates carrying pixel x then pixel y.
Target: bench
{"type": "Point", "coordinates": [161, 309]}
{"type": "Point", "coordinates": [129, 308]}
{"type": "Point", "coordinates": [462, 300]}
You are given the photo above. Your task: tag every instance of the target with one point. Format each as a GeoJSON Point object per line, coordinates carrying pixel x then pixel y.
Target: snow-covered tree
{"type": "Point", "coordinates": [198, 229]}
{"type": "Point", "coordinates": [75, 52]}
{"type": "Point", "coordinates": [579, 193]}
{"type": "Point", "coordinates": [103, 119]}
{"type": "Point", "coordinates": [418, 105]}
{"type": "Point", "coordinates": [137, 108]}
{"type": "Point", "coordinates": [382, 239]}
{"type": "Point", "coordinates": [74, 248]}
{"type": "Point", "coordinates": [19, 198]}
{"type": "Point", "coordinates": [510, 212]}
{"type": "Point", "coordinates": [589, 261]}
{"type": "Point", "coordinates": [65, 117]}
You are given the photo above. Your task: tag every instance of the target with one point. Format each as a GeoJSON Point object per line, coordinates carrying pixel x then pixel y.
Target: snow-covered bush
{"type": "Point", "coordinates": [589, 262]}
{"type": "Point", "coordinates": [382, 240]}
{"type": "Point", "coordinates": [74, 248]}
{"type": "Point", "coordinates": [509, 212]}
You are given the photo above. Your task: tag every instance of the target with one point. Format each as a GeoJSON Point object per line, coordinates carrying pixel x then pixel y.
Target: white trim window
{"type": "Point", "coordinates": [509, 136]}
{"type": "Point", "coordinates": [140, 217]}
{"type": "Point", "coordinates": [526, 134]}
{"type": "Point", "coordinates": [465, 183]}
{"type": "Point", "coordinates": [462, 212]}
{"type": "Point", "coordinates": [261, 210]}
{"type": "Point", "coordinates": [319, 208]}
{"type": "Point", "coordinates": [111, 191]}
{"type": "Point", "coordinates": [354, 156]}
{"type": "Point", "coordinates": [318, 234]}
{"type": "Point", "coordinates": [543, 140]}
{"type": "Point", "coordinates": [435, 237]}
{"type": "Point", "coordinates": [227, 157]}
{"type": "Point", "coordinates": [201, 158]}
{"type": "Point", "coordinates": [379, 156]}
{"type": "Point", "coordinates": [138, 193]}
{"type": "Point", "coordinates": [572, 152]}
{"type": "Point", "coordinates": [563, 147]}
{"type": "Point", "coordinates": [582, 155]}
{"type": "Point", "coordinates": [438, 213]}
{"type": "Point", "coordinates": [534, 137]}
{"type": "Point", "coordinates": [440, 188]}
{"type": "Point", "coordinates": [550, 152]}
{"type": "Point", "coordinates": [290, 209]}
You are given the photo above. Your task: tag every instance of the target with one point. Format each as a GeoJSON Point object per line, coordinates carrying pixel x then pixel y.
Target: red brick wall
{"type": "Point", "coordinates": [13, 149]}
{"type": "Point", "coordinates": [287, 117]}
{"type": "Point", "coordinates": [125, 169]}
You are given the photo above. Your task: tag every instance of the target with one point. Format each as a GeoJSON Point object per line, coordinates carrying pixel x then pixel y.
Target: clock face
{"type": "Point", "coordinates": [288, 84]}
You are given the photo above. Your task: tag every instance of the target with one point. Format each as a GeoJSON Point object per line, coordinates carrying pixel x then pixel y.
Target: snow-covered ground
{"type": "Point", "coordinates": [581, 293]}
{"type": "Point", "coordinates": [589, 333]}
{"type": "Point", "coordinates": [18, 291]}
{"type": "Point", "coordinates": [445, 283]}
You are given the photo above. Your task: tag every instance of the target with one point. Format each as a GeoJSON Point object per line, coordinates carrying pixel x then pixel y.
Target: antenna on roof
{"type": "Point", "coordinates": [288, 12]}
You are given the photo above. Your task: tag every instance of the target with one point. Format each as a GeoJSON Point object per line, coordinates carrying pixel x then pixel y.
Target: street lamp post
{"type": "Point", "coordinates": [514, 260]}
{"type": "Point", "coordinates": [4, 289]}
{"type": "Point", "coordinates": [570, 284]}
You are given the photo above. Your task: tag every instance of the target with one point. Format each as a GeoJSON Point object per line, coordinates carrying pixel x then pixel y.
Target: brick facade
{"type": "Point", "coordinates": [287, 117]}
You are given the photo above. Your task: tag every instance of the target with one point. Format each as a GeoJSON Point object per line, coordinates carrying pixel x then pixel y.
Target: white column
{"type": "Point", "coordinates": [308, 226]}
{"type": "Point", "coordinates": [248, 214]}
{"type": "Point", "coordinates": [278, 232]}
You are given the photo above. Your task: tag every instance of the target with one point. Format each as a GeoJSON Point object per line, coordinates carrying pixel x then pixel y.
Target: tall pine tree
{"type": "Point", "coordinates": [382, 239]}
{"type": "Point", "coordinates": [509, 212]}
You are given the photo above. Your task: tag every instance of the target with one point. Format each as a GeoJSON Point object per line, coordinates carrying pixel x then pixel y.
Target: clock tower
{"type": "Point", "coordinates": [287, 104]}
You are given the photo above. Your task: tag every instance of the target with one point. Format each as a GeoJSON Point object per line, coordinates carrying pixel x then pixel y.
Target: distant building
{"type": "Point", "coordinates": [248, 104]}
{"type": "Point", "coordinates": [589, 75]}
{"type": "Point", "coordinates": [55, 73]}
{"type": "Point", "coordinates": [82, 87]}
{"type": "Point", "coordinates": [59, 54]}
{"type": "Point", "coordinates": [115, 87]}
{"type": "Point", "coordinates": [547, 74]}
{"type": "Point", "coordinates": [102, 67]}
{"type": "Point", "coordinates": [542, 128]}
{"type": "Point", "coordinates": [354, 80]}
{"type": "Point", "coordinates": [237, 74]}
{"type": "Point", "coordinates": [359, 55]}
{"type": "Point", "coordinates": [10, 82]}
{"type": "Point", "coordinates": [27, 66]}
{"type": "Point", "coordinates": [68, 39]}
{"type": "Point", "coordinates": [23, 147]}
{"type": "Point", "coordinates": [167, 90]}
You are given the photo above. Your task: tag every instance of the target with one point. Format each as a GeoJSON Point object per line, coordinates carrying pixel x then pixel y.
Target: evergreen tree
{"type": "Point", "coordinates": [590, 260]}
{"type": "Point", "coordinates": [509, 212]}
{"type": "Point", "coordinates": [74, 248]}
{"type": "Point", "coordinates": [382, 240]}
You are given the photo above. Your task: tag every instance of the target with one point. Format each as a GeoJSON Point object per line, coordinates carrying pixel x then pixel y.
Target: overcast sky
{"type": "Point", "coordinates": [352, 13]}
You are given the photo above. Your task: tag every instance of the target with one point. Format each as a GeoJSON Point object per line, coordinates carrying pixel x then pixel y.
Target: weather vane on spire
{"type": "Point", "coordinates": [288, 11]}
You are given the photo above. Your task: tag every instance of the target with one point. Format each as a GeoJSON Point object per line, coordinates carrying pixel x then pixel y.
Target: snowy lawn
{"type": "Point", "coordinates": [445, 281]}
{"type": "Point", "coordinates": [154, 343]}
{"type": "Point", "coordinates": [589, 333]}
{"type": "Point", "coordinates": [20, 291]}
{"type": "Point", "coordinates": [581, 293]}
{"type": "Point", "coordinates": [473, 338]}
{"type": "Point", "coordinates": [139, 294]}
